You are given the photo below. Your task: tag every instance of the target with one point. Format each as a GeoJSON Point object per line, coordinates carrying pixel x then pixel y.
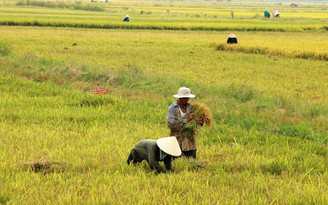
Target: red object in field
{"type": "Point", "coordinates": [99, 91]}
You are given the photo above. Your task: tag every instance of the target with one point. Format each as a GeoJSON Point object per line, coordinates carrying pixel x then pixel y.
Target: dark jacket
{"type": "Point", "coordinates": [232, 40]}
{"type": "Point", "coordinates": [149, 151]}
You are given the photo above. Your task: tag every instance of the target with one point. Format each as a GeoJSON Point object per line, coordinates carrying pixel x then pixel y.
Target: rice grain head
{"type": "Point", "coordinates": [202, 114]}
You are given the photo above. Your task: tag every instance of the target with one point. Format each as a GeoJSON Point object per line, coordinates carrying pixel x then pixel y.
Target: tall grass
{"type": "Point", "coordinates": [91, 144]}
{"type": "Point", "coordinates": [4, 48]}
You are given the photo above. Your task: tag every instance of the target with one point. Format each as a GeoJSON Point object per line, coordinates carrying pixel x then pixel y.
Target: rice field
{"type": "Point", "coordinates": [168, 16]}
{"type": "Point", "coordinates": [61, 144]}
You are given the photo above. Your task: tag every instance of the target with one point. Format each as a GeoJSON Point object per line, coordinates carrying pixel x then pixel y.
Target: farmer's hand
{"type": "Point", "coordinates": [190, 117]}
{"type": "Point", "coordinates": [200, 122]}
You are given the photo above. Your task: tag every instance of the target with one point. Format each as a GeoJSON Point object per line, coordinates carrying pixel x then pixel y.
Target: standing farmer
{"type": "Point", "coordinates": [178, 114]}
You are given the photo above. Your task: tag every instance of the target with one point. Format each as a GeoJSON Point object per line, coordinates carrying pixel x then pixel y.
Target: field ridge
{"type": "Point", "coordinates": [154, 27]}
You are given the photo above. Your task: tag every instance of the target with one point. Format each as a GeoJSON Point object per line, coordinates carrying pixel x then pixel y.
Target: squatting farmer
{"type": "Point", "coordinates": [154, 151]}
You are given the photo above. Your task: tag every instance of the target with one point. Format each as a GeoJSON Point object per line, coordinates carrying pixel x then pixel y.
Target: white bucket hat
{"type": "Point", "coordinates": [184, 92]}
{"type": "Point", "coordinates": [169, 145]}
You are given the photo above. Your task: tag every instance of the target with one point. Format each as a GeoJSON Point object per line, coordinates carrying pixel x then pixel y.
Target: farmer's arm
{"type": "Point", "coordinates": [172, 119]}
{"type": "Point", "coordinates": [168, 162]}
{"type": "Point", "coordinates": [153, 161]}
{"type": "Point", "coordinates": [154, 164]}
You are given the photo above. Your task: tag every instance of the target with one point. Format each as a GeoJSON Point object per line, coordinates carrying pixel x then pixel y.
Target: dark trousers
{"type": "Point", "coordinates": [190, 153]}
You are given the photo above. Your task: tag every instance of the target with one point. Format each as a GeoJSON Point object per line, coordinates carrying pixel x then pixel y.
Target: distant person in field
{"type": "Point", "coordinates": [267, 14]}
{"type": "Point", "coordinates": [126, 18]}
{"type": "Point", "coordinates": [154, 151]}
{"type": "Point", "coordinates": [178, 114]}
{"type": "Point", "coordinates": [232, 39]}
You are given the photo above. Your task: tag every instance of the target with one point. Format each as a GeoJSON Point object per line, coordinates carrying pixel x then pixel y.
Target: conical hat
{"type": "Point", "coordinates": [232, 35]}
{"type": "Point", "coordinates": [169, 145]}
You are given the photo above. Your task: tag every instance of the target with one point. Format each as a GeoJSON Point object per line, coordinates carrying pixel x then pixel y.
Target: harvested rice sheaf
{"type": "Point", "coordinates": [202, 116]}
{"type": "Point", "coordinates": [44, 166]}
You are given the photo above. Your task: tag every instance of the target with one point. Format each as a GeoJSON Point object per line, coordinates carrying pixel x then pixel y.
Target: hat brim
{"type": "Point", "coordinates": [184, 96]}
{"type": "Point", "coordinates": [169, 145]}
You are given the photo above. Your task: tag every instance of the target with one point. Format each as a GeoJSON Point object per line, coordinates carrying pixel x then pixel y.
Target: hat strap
{"type": "Point", "coordinates": [162, 154]}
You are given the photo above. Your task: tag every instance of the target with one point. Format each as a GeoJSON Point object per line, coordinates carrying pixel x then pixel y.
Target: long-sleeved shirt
{"type": "Point", "coordinates": [176, 125]}
{"type": "Point", "coordinates": [173, 116]}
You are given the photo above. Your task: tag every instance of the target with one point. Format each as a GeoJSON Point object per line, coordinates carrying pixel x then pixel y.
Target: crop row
{"type": "Point", "coordinates": [267, 51]}
{"type": "Point", "coordinates": [149, 27]}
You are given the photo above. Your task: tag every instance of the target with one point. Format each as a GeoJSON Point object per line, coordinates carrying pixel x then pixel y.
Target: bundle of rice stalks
{"type": "Point", "coordinates": [202, 116]}
{"type": "Point", "coordinates": [44, 166]}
